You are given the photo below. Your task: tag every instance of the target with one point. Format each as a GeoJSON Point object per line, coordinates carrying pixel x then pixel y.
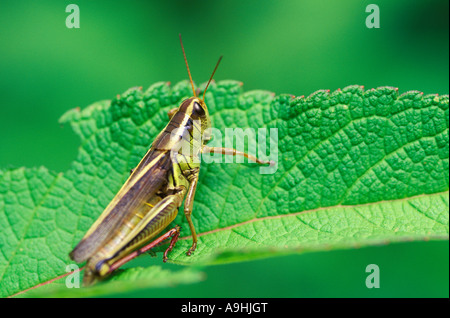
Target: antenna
{"type": "Point", "coordinates": [220, 59]}
{"type": "Point", "coordinates": [187, 66]}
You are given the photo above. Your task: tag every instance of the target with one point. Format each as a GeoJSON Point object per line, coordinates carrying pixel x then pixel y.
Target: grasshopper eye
{"type": "Point", "coordinates": [198, 110]}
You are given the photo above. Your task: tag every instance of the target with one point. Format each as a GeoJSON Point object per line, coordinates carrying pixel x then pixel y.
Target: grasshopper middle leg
{"type": "Point", "coordinates": [188, 206]}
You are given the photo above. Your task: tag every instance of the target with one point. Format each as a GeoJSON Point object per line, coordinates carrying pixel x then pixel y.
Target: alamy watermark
{"type": "Point", "coordinates": [73, 19]}
{"type": "Point", "coordinates": [73, 276]}
{"type": "Point", "coordinates": [373, 279]}
{"type": "Point", "coordinates": [373, 19]}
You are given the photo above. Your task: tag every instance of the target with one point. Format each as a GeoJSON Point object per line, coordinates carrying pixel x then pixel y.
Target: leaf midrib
{"type": "Point", "coordinates": [316, 210]}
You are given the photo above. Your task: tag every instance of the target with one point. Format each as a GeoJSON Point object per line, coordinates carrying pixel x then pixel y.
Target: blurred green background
{"type": "Point", "coordinates": [294, 47]}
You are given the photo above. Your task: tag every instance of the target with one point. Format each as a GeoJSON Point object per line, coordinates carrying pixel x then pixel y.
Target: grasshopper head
{"type": "Point", "coordinates": [197, 110]}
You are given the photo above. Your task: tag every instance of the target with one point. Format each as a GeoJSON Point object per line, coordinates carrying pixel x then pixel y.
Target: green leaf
{"type": "Point", "coordinates": [354, 168]}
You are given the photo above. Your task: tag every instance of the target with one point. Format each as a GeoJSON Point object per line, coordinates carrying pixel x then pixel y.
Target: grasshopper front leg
{"type": "Point", "coordinates": [172, 112]}
{"type": "Point", "coordinates": [234, 152]}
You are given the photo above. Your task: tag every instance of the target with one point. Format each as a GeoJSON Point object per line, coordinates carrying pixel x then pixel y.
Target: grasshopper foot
{"type": "Point", "coordinates": [189, 252]}
{"type": "Point", "coordinates": [175, 234]}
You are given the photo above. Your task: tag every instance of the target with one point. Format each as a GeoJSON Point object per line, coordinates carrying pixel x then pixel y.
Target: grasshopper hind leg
{"type": "Point", "coordinates": [160, 216]}
{"type": "Point", "coordinates": [174, 239]}
{"type": "Point", "coordinates": [164, 213]}
{"type": "Point", "coordinates": [173, 233]}
{"type": "Point", "coordinates": [98, 270]}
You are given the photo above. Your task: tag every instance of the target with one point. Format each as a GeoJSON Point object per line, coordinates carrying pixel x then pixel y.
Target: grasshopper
{"type": "Point", "coordinates": [150, 198]}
